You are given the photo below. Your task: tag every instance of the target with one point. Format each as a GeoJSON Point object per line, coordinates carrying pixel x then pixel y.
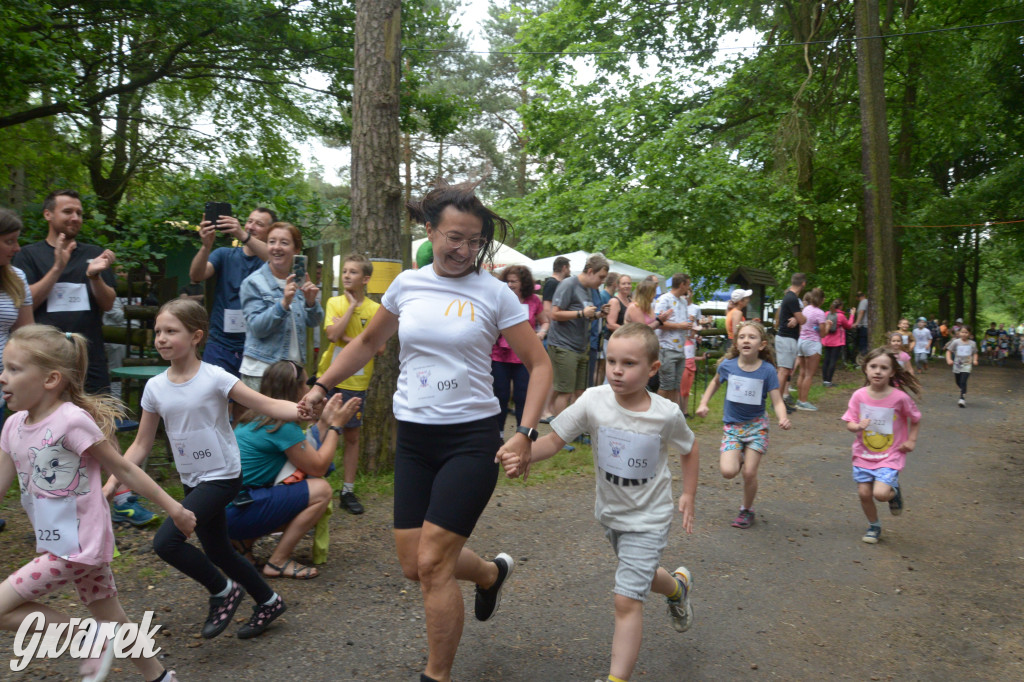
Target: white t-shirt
{"type": "Point", "coordinates": [631, 505]}
{"type": "Point", "coordinates": [446, 327]}
{"type": "Point", "coordinates": [671, 339]}
{"type": "Point", "coordinates": [195, 414]}
{"type": "Point", "coordinates": [921, 338]}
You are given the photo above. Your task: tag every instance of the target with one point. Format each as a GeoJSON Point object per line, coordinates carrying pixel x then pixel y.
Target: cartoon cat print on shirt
{"type": "Point", "coordinates": [56, 470]}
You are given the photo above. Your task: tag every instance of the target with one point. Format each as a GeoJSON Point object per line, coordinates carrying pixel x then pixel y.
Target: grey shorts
{"type": "Point", "coordinates": [639, 557]}
{"type": "Point", "coordinates": [785, 352]}
{"type": "Point", "coordinates": [805, 348]}
{"type": "Point", "coordinates": [671, 372]}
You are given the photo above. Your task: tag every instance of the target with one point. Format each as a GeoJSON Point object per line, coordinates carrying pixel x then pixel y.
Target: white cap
{"type": "Point", "coordinates": [740, 294]}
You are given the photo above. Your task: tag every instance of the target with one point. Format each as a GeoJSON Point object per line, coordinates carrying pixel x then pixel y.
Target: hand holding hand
{"type": "Point", "coordinates": [509, 460]}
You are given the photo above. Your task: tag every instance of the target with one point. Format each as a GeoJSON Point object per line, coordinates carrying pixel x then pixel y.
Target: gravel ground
{"type": "Point", "coordinates": [796, 597]}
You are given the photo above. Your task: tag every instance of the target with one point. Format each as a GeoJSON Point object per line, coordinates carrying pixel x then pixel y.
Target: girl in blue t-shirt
{"type": "Point", "coordinates": [748, 370]}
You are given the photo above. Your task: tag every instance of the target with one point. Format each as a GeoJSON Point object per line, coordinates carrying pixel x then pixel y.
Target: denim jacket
{"type": "Point", "coordinates": [268, 329]}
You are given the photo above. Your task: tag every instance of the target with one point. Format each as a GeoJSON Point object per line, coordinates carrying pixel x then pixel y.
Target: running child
{"type": "Point", "coordinates": [634, 432]}
{"type": "Point", "coordinates": [922, 345]}
{"type": "Point", "coordinates": [878, 414]}
{"type": "Point", "coordinates": [749, 373]}
{"type": "Point", "coordinates": [961, 355]}
{"type": "Point", "coordinates": [56, 443]}
{"type": "Point", "coordinates": [904, 329]}
{"type": "Point", "coordinates": [192, 398]}
{"type": "Point", "coordinates": [900, 351]}
{"type": "Point", "coordinates": [346, 317]}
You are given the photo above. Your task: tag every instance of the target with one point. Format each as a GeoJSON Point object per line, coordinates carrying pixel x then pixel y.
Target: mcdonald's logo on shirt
{"type": "Point", "coordinates": [461, 307]}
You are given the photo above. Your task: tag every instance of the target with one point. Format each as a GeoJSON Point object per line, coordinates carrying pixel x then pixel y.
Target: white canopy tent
{"type": "Point", "coordinates": [503, 257]}
{"type": "Point", "coordinates": [541, 268]}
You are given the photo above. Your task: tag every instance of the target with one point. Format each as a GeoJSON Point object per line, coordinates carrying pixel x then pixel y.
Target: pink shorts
{"type": "Point", "coordinates": [46, 573]}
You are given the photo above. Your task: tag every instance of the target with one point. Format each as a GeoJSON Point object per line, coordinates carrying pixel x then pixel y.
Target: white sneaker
{"type": "Point", "coordinates": [680, 610]}
{"type": "Point", "coordinates": [961, 402]}
{"type": "Point", "coordinates": [96, 669]}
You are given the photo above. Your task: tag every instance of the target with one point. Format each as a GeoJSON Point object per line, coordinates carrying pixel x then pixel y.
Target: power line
{"type": "Point", "coordinates": [722, 49]}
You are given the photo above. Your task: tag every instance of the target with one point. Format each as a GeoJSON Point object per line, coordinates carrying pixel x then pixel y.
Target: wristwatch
{"type": "Point", "coordinates": [336, 429]}
{"type": "Point", "coordinates": [528, 432]}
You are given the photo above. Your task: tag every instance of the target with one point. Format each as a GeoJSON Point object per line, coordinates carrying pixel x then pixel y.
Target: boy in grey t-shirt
{"type": "Point", "coordinates": [961, 355]}
{"type": "Point", "coordinates": [633, 433]}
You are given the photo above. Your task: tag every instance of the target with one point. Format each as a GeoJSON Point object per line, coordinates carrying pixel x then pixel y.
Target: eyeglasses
{"type": "Point", "coordinates": [475, 244]}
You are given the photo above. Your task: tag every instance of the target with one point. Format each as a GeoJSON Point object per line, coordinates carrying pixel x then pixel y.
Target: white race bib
{"type": "Point", "coordinates": [963, 351]}
{"type": "Point", "coordinates": [234, 321]}
{"type": "Point", "coordinates": [437, 380]}
{"type": "Point", "coordinates": [745, 390]}
{"type": "Point", "coordinates": [55, 520]}
{"type": "Point", "coordinates": [67, 297]}
{"type": "Point", "coordinates": [880, 419]}
{"type": "Point", "coordinates": [362, 370]}
{"type": "Point", "coordinates": [628, 454]}
{"type": "Point", "coordinates": [197, 452]}
{"type": "Point", "coordinates": [689, 351]}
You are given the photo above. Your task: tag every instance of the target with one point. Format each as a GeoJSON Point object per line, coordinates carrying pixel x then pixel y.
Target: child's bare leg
{"type": "Point", "coordinates": [751, 461]}
{"type": "Point", "coordinates": [629, 626]}
{"type": "Point", "coordinates": [730, 463]}
{"type": "Point", "coordinates": [867, 501]}
{"type": "Point", "coordinates": [663, 583]}
{"type": "Point", "coordinates": [110, 610]}
{"type": "Point", "coordinates": [883, 492]}
{"type": "Point", "coordinates": [351, 459]}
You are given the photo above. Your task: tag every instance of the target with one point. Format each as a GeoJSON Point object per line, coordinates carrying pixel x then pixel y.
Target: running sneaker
{"type": "Point", "coordinates": [487, 601]}
{"type": "Point", "coordinates": [350, 502]}
{"type": "Point", "coordinates": [221, 611]}
{"type": "Point", "coordinates": [262, 616]}
{"type": "Point", "coordinates": [896, 503]}
{"type": "Point", "coordinates": [132, 512]}
{"type": "Point", "coordinates": [680, 610]}
{"type": "Point", "coordinates": [871, 535]}
{"type": "Point", "coordinates": [962, 402]}
{"type": "Point", "coordinates": [805, 407]}
{"type": "Point", "coordinates": [745, 519]}
{"type": "Point", "coordinates": [171, 676]}
{"type": "Point", "coordinates": [826, 384]}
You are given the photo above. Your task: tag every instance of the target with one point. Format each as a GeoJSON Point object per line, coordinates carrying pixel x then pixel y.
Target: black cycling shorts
{"type": "Point", "coordinates": [445, 474]}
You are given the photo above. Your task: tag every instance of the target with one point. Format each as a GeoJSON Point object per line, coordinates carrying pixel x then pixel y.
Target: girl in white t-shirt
{"type": "Point", "coordinates": [192, 399]}
{"type": "Point", "coordinates": [56, 442]}
{"type": "Point", "coordinates": [448, 317]}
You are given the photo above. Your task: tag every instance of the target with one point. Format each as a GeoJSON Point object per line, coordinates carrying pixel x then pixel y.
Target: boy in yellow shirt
{"type": "Point", "coordinates": [345, 318]}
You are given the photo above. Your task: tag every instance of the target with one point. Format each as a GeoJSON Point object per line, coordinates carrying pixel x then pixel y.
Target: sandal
{"type": "Point", "coordinates": [298, 572]}
{"type": "Point", "coordinates": [244, 547]}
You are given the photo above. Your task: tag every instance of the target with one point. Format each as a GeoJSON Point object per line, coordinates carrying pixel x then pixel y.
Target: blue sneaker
{"type": "Point", "coordinates": [133, 513]}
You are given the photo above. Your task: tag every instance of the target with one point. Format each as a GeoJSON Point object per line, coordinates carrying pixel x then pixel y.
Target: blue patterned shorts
{"type": "Point", "coordinates": [752, 434]}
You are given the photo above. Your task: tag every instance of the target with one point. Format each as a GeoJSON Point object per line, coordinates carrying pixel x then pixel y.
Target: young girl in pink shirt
{"type": "Point", "coordinates": [55, 444]}
{"type": "Point", "coordinates": [878, 415]}
{"type": "Point", "coordinates": [900, 351]}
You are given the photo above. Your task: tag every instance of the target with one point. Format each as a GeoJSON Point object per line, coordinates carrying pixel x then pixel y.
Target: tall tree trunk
{"type": "Point", "coordinates": [883, 310]}
{"type": "Point", "coordinates": [976, 267]}
{"type": "Point", "coordinates": [858, 279]}
{"type": "Point", "coordinates": [377, 192]}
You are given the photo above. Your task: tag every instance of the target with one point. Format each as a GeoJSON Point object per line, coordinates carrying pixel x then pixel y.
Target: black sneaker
{"type": "Point", "coordinates": [896, 503]}
{"type": "Point", "coordinates": [487, 601]}
{"type": "Point", "coordinates": [221, 611]}
{"type": "Point", "coordinates": [262, 616]}
{"type": "Point", "coordinates": [350, 502]}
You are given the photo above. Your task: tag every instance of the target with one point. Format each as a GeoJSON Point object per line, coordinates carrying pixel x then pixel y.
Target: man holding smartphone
{"type": "Point", "coordinates": [231, 265]}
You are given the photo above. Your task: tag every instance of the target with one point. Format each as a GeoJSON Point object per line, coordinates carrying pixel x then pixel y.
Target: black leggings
{"type": "Point", "coordinates": [961, 381]}
{"type": "Point", "coordinates": [207, 501]}
{"type": "Point", "coordinates": [831, 359]}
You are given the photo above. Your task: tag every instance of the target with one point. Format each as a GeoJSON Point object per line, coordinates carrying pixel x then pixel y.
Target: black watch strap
{"type": "Point", "coordinates": [336, 429]}
{"type": "Point", "coordinates": [532, 434]}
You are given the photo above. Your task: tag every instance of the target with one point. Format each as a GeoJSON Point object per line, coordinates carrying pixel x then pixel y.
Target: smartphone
{"type": "Point", "coordinates": [215, 209]}
{"type": "Point", "coordinates": [244, 498]}
{"type": "Point", "coordinates": [299, 268]}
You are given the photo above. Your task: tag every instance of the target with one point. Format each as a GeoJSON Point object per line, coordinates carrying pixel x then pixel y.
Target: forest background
{"type": "Point", "coordinates": [674, 136]}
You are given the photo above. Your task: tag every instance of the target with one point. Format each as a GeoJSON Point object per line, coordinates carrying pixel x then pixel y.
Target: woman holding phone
{"type": "Point", "coordinates": [278, 305]}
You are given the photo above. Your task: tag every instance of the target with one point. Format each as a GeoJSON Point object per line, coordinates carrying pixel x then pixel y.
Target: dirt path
{"type": "Point", "coordinates": [797, 597]}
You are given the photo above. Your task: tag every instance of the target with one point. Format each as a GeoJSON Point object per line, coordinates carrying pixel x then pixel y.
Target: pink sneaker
{"type": "Point", "coordinates": [745, 519]}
